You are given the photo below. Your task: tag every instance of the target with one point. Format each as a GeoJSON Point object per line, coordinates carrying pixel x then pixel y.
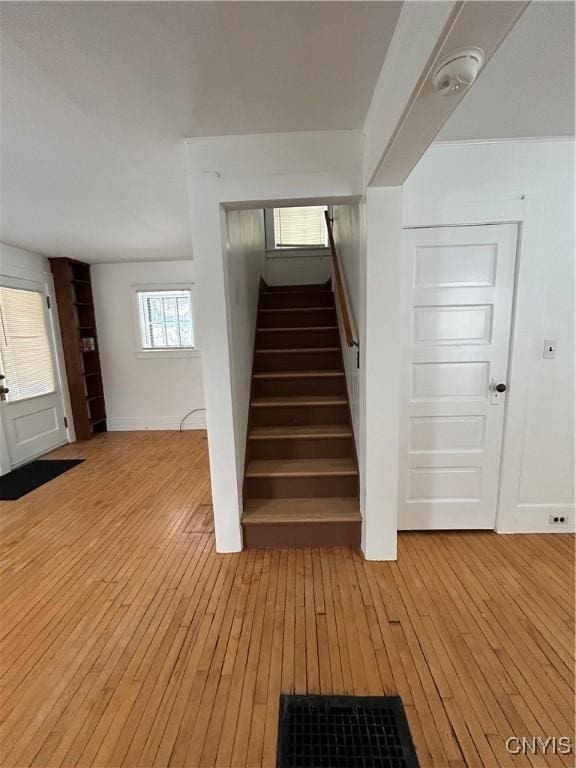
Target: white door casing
{"type": "Point", "coordinates": [458, 296]}
{"type": "Point", "coordinates": [33, 425]}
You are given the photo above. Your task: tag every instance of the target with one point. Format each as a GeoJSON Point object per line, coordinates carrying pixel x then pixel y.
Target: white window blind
{"type": "Point", "coordinates": [300, 227]}
{"type": "Point", "coordinates": [166, 319]}
{"type": "Point", "coordinates": [25, 345]}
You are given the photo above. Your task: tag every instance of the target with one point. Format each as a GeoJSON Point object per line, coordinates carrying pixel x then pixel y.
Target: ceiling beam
{"type": "Point", "coordinates": [406, 113]}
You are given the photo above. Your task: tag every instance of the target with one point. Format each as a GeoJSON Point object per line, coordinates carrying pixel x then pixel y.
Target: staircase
{"type": "Point", "coordinates": [301, 480]}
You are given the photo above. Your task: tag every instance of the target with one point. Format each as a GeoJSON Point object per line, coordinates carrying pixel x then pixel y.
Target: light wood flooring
{"type": "Point", "coordinates": [127, 641]}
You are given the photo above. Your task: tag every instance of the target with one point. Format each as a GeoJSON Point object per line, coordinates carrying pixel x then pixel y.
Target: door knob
{"type": "Point", "coordinates": [498, 387]}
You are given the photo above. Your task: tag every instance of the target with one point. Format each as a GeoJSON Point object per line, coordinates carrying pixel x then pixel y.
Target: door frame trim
{"type": "Point", "coordinates": [465, 213]}
{"type": "Point", "coordinates": [521, 211]}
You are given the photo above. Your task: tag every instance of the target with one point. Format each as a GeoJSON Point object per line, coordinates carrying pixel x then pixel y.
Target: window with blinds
{"type": "Point", "coordinates": [166, 319]}
{"type": "Point", "coordinates": [303, 227]}
{"type": "Point", "coordinates": [25, 345]}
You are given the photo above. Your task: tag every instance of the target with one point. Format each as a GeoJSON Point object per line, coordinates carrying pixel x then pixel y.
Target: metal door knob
{"type": "Point", "coordinates": [501, 387]}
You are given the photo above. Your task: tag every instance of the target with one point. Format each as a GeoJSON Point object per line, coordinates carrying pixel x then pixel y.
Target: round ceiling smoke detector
{"type": "Point", "coordinates": [458, 70]}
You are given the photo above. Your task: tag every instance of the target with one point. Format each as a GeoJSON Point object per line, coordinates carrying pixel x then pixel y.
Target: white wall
{"type": "Point", "coordinates": [289, 267]}
{"type": "Point", "coordinates": [537, 476]}
{"type": "Point", "coordinates": [15, 262]}
{"type": "Point", "coordinates": [144, 390]}
{"type": "Point", "coordinates": [244, 267]}
{"type": "Point", "coordinates": [350, 239]}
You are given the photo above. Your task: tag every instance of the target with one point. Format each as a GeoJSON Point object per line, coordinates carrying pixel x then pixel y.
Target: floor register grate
{"type": "Point", "coordinates": [344, 732]}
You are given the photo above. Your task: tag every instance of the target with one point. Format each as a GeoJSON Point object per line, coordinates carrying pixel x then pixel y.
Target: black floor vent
{"type": "Point", "coordinates": [344, 732]}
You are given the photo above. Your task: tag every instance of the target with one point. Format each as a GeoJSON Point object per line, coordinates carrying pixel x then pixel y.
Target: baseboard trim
{"type": "Point", "coordinates": [128, 424]}
{"type": "Point", "coordinates": [533, 518]}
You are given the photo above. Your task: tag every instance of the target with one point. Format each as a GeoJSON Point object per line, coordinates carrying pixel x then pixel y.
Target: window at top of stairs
{"type": "Point", "coordinates": [300, 227]}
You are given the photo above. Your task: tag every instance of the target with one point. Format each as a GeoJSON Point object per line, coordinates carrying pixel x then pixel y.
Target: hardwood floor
{"type": "Point", "coordinates": [126, 641]}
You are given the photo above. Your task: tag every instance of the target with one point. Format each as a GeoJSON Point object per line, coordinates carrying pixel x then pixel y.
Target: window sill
{"type": "Point", "coordinates": [153, 354]}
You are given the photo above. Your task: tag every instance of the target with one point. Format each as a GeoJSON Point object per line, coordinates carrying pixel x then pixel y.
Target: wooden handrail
{"type": "Point", "coordinates": [340, 294]}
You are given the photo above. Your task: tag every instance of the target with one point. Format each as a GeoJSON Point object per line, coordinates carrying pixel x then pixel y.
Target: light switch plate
{"type": "Point", "coordinates": [549, 349]}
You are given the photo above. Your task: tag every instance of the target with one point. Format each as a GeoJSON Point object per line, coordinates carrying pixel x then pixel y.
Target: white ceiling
{"type": "Point", "coordinates": [96, 98]}
{"type": "Point", "coordinates": [527, 88]}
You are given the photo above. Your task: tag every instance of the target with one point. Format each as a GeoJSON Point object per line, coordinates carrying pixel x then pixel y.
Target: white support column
{"type": "Point", "coordinates": [208, 241]}
{"type": "Point", "coordinates": [380, 371]}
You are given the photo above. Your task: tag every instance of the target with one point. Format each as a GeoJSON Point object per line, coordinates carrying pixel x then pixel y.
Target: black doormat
{"type": "Point", "coordinates": [344, 732]}
{"type": "Point", "coordinates": [21, 481]}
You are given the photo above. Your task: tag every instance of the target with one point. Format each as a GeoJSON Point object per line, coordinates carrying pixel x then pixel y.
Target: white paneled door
{"type": "Point", "coordinates": [30, 398]}
{"type": "Point", "coordinates": [459, 287]}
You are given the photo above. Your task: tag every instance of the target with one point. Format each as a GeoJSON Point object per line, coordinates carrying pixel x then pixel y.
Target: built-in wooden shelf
{"type": "Point", "coordinates": [73, 286]}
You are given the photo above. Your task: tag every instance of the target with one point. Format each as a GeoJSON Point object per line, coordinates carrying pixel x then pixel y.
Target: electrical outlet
{"type": "Point", "coordinates": [558, 519]}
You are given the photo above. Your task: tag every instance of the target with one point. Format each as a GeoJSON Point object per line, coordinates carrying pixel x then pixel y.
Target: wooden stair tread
{"type": "Point", "coordinates": [299, 375]}
{"type": "Point", "coordinates": [292, 293]}
{"type": "Point", "coordinates": [311, 431]}
{"type": "Point", "coordinates": [301, 471]}
{"type": "Point", "coordinates": [298, 329]}
{"type": "Point", "coordinates": [314, 510]}
{"type": "Point", "coordinates": [274, 402]}
{"type": "Point", "coordinates": [301, 468]}
{"type": "Point", "coordinates": [300, 287]}
{"type": "Point", "coordinates": [296, 309]}
{"type": "Point", "coordinates": [294, 350]}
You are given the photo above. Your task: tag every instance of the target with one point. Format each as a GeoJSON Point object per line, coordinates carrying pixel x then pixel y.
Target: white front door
{"type": "Point", "coordinates": [458, 291]}
{"type": "Point", "coordinates": [31, 409]}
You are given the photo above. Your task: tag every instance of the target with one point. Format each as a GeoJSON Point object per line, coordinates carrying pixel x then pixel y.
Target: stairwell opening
{"type": "Point", "coordinates": [300, 483]}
